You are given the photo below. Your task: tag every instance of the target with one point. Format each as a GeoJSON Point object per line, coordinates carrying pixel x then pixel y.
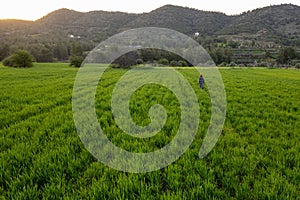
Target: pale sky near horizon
{"type": "Point", "coordinates": [35, 9]}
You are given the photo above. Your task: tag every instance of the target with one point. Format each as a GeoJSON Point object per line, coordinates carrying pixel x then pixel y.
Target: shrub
{"type": "Point", "coordinates": [76, 61]}
{"type": "Point", "coordinates": [297, 66]}
{"type": "Point", "coordinates": [223, 64]}
{"type": "Point", "coordinates": [20, 59]}
{"type": "Point", "coordinates": [125, 61]}
{"type": "Point", "coordinates": [139, 61]}
{"type": "Point", "coordinates": [232, 64]}
{"type": "Point", "coordinates": [163, 61]}
{"type": "Point", "coordinates": [263, 64]}
{"type": "Point", "coordinates": [7, 61]}
{"type": "Point", "coordinates": [182, 63]}
{"type": "Point", "coordinates": [174, 63]}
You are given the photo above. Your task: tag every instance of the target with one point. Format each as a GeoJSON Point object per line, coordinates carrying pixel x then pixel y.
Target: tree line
{"type": "Point", "coordinates": [75, 53]}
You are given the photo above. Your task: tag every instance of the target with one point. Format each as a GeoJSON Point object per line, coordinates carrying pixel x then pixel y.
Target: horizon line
{"type": "Point", "coordinates": [140, 13]}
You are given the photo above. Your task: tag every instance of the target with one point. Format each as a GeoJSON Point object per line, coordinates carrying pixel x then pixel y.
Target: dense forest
{"type": "Point", "coordinates": [265, 36]}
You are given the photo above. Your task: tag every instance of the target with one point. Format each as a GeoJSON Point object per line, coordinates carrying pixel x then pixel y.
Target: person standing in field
{"type": "Point", "coordinates": [201, 81]}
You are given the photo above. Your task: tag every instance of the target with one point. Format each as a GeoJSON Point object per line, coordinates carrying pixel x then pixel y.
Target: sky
{"type": "Point", "coordinates": [35, 9]}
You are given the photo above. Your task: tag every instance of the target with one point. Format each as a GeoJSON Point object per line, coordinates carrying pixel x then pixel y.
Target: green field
{"type": "Point", "coordinates": [256, 157]}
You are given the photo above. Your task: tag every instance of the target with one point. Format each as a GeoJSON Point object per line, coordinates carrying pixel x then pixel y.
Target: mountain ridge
{"type": "Point", "coordinates": [169, 12]}
{"type": "Point", "coordinates": [162, 7]}
{"type": "Point", "coordinates": [271, 26]}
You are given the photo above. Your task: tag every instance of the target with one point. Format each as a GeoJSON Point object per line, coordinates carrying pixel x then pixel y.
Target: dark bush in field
{"type": "Point", "coordinates": [20, 59]}
{"type": "Point", "coordinates": [76, 61]}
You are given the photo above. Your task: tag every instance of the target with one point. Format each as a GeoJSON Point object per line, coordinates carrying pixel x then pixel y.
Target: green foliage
{"type": "Point", "coordinates": [182, 63]}
{"type": "Point", "coordinates": [20, 59]}
{"type": "Point", "coordinates": [286, 55]}
{"type": "Point", "coordinates": [46, 55]}
{"type": "Point", "coordinates": [221, 55]}
{"type": "Point", "coordinates": [232, 64]}
{"type": "Point", "coordinates": [174, 63]}
{"type": "Point", "coordinates": [256, 157]}
{"type": "Point", "coordinates": [126, 61]}
{"type": "Point", "coordinates": [163, 61]}
{"type": "Point", "coordinates": [76, 49]}
{"type": "Point", "coordinates": [150, 55]}
{"type": "Point", "coordinates": [4, 51]}
{"type": "Point", "coordinates": [76, 61]}
{"type": "Point", "coordinates": [7, 61]}
{"type": "Point", "coordinates": [76, 57]}
{"type": "Point", "coordinates": [139, 61]}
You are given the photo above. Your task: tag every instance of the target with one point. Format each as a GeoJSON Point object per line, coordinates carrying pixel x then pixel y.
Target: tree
{"type": "Point", "coordinates": [183, 63]}
{"type": "Point", "coordinates": [139, 61]}
{"type": "Point", "coordinates": [4, 51]}
{"type": "Point", "coordinates": [163, 61]}
{"type": "Point", "coordinates": [125, 61]}
{"type": "Point", "coordinates": [60, 51]}
{"type": "Point", "coordinates": [76, 49]}
{"type": "Point", "coordinates": [286, 55]}
{"type": "Point", "coordinates": [46, 55]}
{"type": "Point", "coordinates": [174, 63]}
{"type": "Point", "coordinates": [76, 57]}
{"type": "Point", "coordinates": [221, 55]}
{"type": "Point", "coordinates": [20, 59]}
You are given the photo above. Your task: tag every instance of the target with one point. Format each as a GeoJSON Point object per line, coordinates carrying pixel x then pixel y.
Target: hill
{"type": "Point", "coordinates": [183, 19]}
{"type": "Point", "coordinates": [281, 19]}
{"type": "Point", "coordinates": [57, 32]}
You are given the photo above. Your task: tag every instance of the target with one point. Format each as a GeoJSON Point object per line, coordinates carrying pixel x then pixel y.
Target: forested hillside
{"type": "Point", "coordinates": [62, 33]}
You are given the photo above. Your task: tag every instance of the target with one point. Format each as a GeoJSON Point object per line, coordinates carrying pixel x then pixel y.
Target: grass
{"type": "Point", "coordinates": [256, 157]}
